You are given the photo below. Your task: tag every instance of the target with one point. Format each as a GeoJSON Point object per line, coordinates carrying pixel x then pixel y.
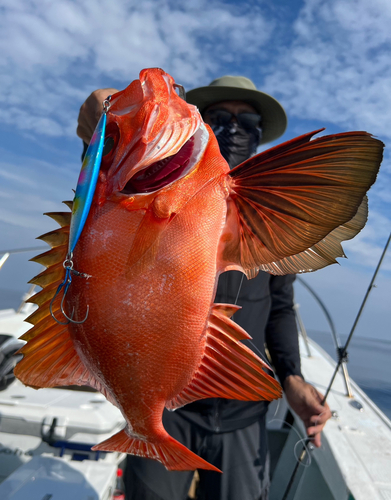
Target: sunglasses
{"type": "Point", "coordinates": [223, 117]}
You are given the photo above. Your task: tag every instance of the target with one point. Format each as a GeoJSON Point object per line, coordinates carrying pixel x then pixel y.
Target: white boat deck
{"type": "Point", "coordinates": [359, 434]}
{"type": "Point", "coordinates": [357, 439]}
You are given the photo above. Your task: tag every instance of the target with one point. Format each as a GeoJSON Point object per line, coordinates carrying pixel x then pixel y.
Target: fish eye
{"type": "Point", "coordinates": [108, 145]}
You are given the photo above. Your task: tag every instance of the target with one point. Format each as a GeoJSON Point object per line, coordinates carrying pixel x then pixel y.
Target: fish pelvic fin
{"type": "Point", "coordinates": [167, 450]}
{"type": "Point", "coordinates": [291, 206]}
{"type": "Point", "coordinates": [228, 368]}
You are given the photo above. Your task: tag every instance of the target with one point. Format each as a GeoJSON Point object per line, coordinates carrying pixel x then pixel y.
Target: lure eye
{"type": "Point", "coordinates": [108, 145]}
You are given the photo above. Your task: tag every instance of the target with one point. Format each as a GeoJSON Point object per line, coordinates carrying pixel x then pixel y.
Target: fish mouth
{"type": "Point", "coordinates": [166, 171]}
{"type": "Point", "coordinates": [161, 173]}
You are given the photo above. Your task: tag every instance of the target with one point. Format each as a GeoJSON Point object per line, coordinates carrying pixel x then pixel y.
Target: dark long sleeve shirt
{"type": "Point", "coordinates": [267, 315]}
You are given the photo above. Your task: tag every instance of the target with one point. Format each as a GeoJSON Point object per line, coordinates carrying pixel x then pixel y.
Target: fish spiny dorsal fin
{"type": "Point", "coordinates": [52, 257]}
{"type": "Point", "coordinates": [43, 296]}
{"type": "Point", "coordinates": [52, 274]}
{"type": "Point", "coordinates": [56, 238]}
{"type": "Point", "coordinates": [291, 206]}
{"type": "Point", "coordinates": [69, 204]}
{"type": "Point", "coordinates": [62, 218]}
{"type": "Point", "coordinates": [228, 368]}
{"type": "Point", "coordinates": [49, 356]}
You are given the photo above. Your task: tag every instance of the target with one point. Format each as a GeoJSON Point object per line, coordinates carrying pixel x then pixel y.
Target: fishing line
{"type": "Point", "coordinates": [260, 354]}
{"type": "Point", "coordinates": [248, 340]}
{"type": "Point", "coordinates": [275, 413]}
{"type": "Point", "coordinates": [263, 357]}
{"type": "Point", "coordinates": [300, 440]}
{"type": "Point", "coordinates": [240, 287]}
{"type": "Point", "coordinates": [297, 455]}
{"type": "Point", "coordinates": [340, 361]}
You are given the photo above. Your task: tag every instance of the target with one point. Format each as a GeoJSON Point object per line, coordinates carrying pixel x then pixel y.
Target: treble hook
{"type": "Point", "coordinates": [68, 265]}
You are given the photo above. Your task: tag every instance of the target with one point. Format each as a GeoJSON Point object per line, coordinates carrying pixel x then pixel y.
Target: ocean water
{"type": "Point", "coordinates": [369, 359]}
{"type": "Point", "coordinates": [369, 365]}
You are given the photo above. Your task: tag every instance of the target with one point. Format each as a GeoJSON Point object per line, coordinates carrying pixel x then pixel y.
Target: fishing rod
{"type": "Point", "coordinates": [342, 358]}
{"type": "Point", "coordinates": [337, 341]}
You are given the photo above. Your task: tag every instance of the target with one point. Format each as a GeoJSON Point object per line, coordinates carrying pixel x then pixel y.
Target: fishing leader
{"type": "Point", "coordinates": [231, 434]}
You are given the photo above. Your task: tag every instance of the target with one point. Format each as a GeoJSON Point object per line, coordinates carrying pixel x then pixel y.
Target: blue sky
{"type": "Point", "coordinates": [328, 63]}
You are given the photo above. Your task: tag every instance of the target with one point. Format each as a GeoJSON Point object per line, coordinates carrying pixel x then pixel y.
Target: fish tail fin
{"type": "Point", "coordinates": [167, 450]}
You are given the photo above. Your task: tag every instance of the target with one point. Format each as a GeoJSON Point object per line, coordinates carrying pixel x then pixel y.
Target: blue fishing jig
{"type": "Point", "coordinates": [85, 190]}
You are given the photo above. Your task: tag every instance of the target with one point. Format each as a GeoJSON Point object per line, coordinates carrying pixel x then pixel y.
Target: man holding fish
{"type": "Point", "coordinates": [231, 434]}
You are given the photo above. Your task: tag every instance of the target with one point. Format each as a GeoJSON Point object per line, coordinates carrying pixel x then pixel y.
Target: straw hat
{"type": "Point", "coordinates": [240, 88]}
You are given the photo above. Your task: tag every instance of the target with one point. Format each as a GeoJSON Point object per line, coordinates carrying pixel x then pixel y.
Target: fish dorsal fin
{"type": "Point", "coordinates": [49, 357]}
{"type": "Point", "coordinates": [286, 201]}
{"type": "Point", "coordinates": [228, 368]}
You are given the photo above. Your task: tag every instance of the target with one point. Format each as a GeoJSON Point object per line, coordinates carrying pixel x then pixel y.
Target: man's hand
{"type": "Point", "coordinates": [305, 400]}
{"type": "Point", "coordinates": [90, 113]}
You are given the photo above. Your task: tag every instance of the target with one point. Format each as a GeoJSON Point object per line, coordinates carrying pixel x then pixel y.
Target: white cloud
{"type": "Point", "coordinates": [56, 53]}
{"type": "Point", "coordinates": [337, 66]}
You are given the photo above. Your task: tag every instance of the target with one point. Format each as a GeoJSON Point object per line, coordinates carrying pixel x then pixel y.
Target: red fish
{"type": "Point", "coordinates": [167, 218]}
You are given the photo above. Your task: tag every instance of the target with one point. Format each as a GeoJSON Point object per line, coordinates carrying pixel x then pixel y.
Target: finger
{"type": "Point", "coordinates": [85, 133]}
{"type": "Point", "coordinates": [90, 112]}
{"type": "Point", "coordinates": [321, 418]}
{"type": "Point", "coordinates": [316, 440]}
{"type": "Point", "coordinates": [87, 120]}
{"type": "Point", "coordinates": [314, 429]}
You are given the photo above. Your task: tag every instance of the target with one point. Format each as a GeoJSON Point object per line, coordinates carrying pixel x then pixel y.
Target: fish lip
{"type": "Point", "coordinates": [200, 138]}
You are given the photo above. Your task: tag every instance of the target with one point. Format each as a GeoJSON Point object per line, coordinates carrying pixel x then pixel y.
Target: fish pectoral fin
{"type": "Point", "coordinates": [172, 454]}
{"type": "Point", "coordinates": [147, 239]}
{"type": "Point", "coordinates": [285, 202]}
{"type": "Point", "coordinates": [228, 368]}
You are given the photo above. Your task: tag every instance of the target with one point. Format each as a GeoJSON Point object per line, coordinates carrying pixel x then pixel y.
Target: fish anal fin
{"type": "Point", "coordinates": [172, 454]}
{"type": "Point", "coordinates": [228, 368]}
{"type": "Point", "coordinates": [227, 310]}
{"type": "Point", "coordinates": [285, 201]}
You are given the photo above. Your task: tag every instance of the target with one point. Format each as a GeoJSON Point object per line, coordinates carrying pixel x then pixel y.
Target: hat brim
{"type": "Point", "coordinates": [274, 120]}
